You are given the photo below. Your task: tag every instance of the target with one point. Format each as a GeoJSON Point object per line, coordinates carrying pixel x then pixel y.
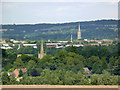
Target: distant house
{"type": "Point", "coordinates": [23, 42]}
{"type": "Point", "coordinates": [63, 41]}
{"type": "Point", "coordinates": [94, 44]}
{"type": "Point", "coordinates": [32, 45]}
{"type": "Point", "coordinates": [3, 42]}
{"type": "Point", "coordinates": [17, 71]}
{"type": "Point", "coordinates": [56, 45]}
{"type": "Point", "coordinates": [75, 45]}
{"type": "Point", "coordinates": [6, 46]}
{"type": "Point", "coordinates": [87, 70]}
{"type": "Point", "coordinates": [19, 42]}
{"type": "Point", "coordinates": [78, 45]}
{"type": "Point", "coordinates": [106, 44]}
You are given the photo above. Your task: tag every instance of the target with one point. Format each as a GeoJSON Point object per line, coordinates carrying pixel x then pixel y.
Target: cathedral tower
{"type": "Point", "coordinates": [41, 54]}
{"type": "Point", "coordinates": [79, 33]}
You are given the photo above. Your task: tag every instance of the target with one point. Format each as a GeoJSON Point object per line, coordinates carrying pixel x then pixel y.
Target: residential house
{"type": "Point", "coordinates": [17, 71]}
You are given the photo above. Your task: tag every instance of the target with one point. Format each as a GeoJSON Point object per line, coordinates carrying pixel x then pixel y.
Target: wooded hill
{"type": "Point", "coordinates": [100, 29]}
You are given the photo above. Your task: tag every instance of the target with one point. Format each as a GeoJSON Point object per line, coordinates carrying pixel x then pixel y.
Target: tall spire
{"type": "Point", "coordinates": [79, 28]}
{"type": "Point", "coordinates": [79, 33]}
{"type": "Point", "coordinates": [41, 54]}
{"type": "Point", "coordinates": [71, 37]}
{"type": "Point", "coordinates": [42, 51]}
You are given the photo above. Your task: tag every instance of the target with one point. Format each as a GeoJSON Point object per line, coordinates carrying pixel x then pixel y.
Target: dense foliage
{"type": "Point", "coordinates": [64, 67]}
{"type": "Point", "coordinates": [62, 77]}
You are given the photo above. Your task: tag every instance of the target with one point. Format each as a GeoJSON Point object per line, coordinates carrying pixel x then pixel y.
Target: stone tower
{"type": "Point", "coordinates": [79, 33]}
{"type": "Point", "coordinates": [41, 54]}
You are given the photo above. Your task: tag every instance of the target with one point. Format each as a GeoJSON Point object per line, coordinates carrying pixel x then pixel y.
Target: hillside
{"type": "Point", "coordinates": [100, 29]}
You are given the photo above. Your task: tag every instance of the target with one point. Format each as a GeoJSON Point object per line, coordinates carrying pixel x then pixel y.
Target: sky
{"type": "Point", "coordinates": [60, 11]}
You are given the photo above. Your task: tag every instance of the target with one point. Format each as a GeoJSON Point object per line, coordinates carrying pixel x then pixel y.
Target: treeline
{"type": "Point", "coordinates": [93, 57]}
{"type": "Point", "coordinates": [62, 77]}
{"type": "Point", "coordinates": [66, 66]}
{"type": "Point", "coordinates": [100, 29]}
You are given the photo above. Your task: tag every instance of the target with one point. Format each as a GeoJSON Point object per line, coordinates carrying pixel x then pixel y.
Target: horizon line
{"type": "Point", "coordinates": [56, 22]}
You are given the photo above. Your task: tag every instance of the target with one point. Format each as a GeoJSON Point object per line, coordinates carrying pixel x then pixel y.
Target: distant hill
{"type": "Point", "coordinates": [100, 29]}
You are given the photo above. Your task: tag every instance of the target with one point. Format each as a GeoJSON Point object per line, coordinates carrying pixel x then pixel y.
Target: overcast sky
{"type": "Point", "coordinates": [24, 12]}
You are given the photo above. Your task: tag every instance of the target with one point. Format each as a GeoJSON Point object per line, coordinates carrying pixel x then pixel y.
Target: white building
{"type": "Point", "coordinates": [33, 45]}
{"type": "Point", "coordinates": [5, 46]}
{"type": "Point", "coordinates": [56, 45]}
{"type": "Point", "coordinates": [75, 45]}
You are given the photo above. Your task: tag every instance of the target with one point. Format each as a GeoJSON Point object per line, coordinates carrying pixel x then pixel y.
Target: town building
{"type": "Point", "coordinates": [86, 70]}
{"type": "Point", "coordinates": [56, 45]}
{"type": "Point", "coordinates": [5, 46]}
{"type": "Point", "coordinates": [3, 42]}
{"type": "Point", "coordinates": [23, 42]}
{"type": "Point", "coordinates": [75, 45]}
{"type": "Point", "coordinates": [62, 41]}
{"type": "Point", "coordinates": [17, 71]}
{"type": "Point", "coordinates": [32, 45]}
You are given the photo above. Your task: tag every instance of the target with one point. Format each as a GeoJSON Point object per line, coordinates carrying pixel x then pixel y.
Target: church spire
{"type": "Point", "coordinates": [41, 54]}
{"type": "Point", "coordinates": [79, 28]}
{"type": "Point", "coordinates": [79, 33]}
{"type": "Point", "coordinates": [42, 51]}
{"type": "Point", "coordinates": [71, 37]}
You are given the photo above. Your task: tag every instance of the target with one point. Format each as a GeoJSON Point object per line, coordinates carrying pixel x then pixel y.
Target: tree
{"type": "Point", "coordinates": [93, 59]}
{"type": "Point", "coordinates": [80, 79]}
{"type": "Point", "coordinates": [25, 58]}
{"type": "Point", "coordinates": [73, 49]}
{"type": "Point", "coordinates": [34, 73]}
{"type": "Point", "coordinates": [96, 68]}
{"type": "Point", "coordinates": [39, 70]}
{"type": "Point", "coordinates": [18, 63]}
{"type": "Point", "coordinates": [112, 62]}
{"type": "Point", "coordinates": [104, 63]}
{"type": "Point", "coordinates": [116, 68]}
{"type": "Point", "coordinates": [106, 78]}
{"type": "Point", "coordinates": [4, 53]}
{"type": "Point", "coordinates": [61, 55]}
{"type": "Point", "coordinates": [20, 73]}
{"type": "Point", "coordinates": [27, 50]}
{"type": "Point", "coordinates": [73, 62]}
{"type": "Point", "coordinates": [8, 66]}
{"type": "Point", "coordinates": [31, 65]}
{"type": "Point", "coordinates": [94, 79]}
{"type": "Point", "coordinates": [5, 78]}
{"type": "Point", "coordinates": [11, 70]}
{"type": "Point", "coordinates": [12, 57]}
{"type": "Point", "coordinates": [69, 78]}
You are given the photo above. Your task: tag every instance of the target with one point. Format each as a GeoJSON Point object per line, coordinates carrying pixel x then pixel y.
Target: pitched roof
{"type": "Point", "coordinates": [87, 70]}
{"type": "Point", "coordinates": [16, 71]}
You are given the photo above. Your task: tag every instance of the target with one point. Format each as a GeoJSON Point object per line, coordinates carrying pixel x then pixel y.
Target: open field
{"type": "Point", "coordinates": [59, 86]}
